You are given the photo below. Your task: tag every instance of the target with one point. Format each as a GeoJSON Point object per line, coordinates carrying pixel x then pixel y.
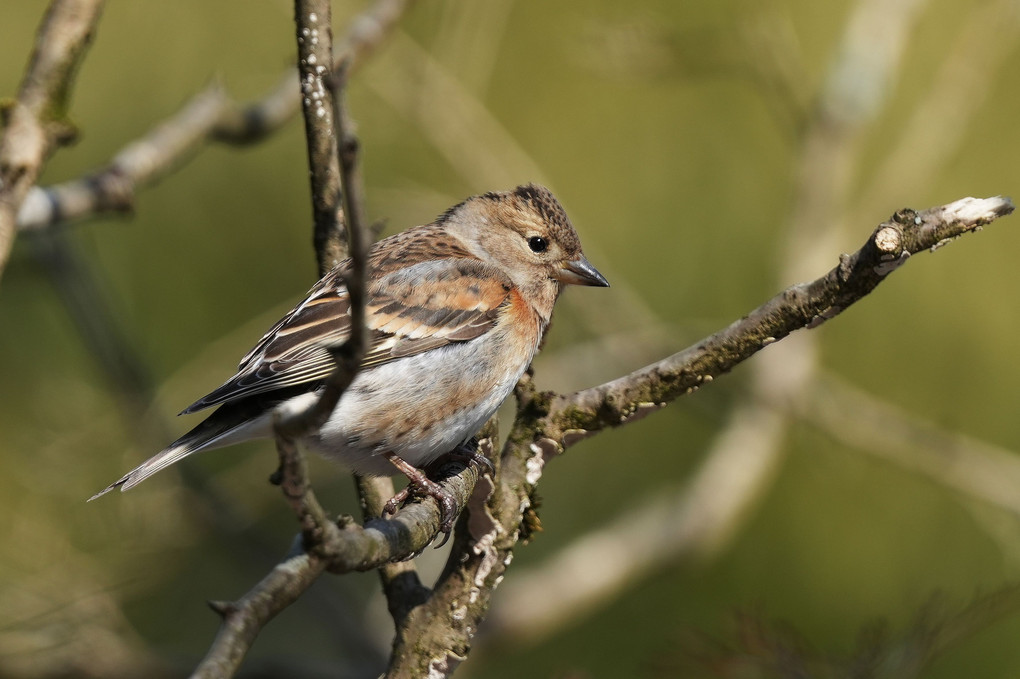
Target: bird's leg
{"type": "Point", "coordinates": [417, 478]}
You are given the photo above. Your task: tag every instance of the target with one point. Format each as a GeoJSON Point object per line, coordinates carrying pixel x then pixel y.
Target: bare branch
{"type": "Point", "coordinates": [244, 619]}
{"type": "Point", "coordinates": [680, 526]}
{"type": "Point", "coordinates": [353, 185]}
{"type": "Point", "coordinates": [434, 636]}
{"type": "Point", "coordinates": [208, 116]}
{"type": "Point", "coordinates": [807, 305]}
{"type": "Point", "coordinates": [973, 468]}
{"type": "Point", "coordinates": [140, 163]}
{"type": "Point", "coordinates": [315, 59]}
{"type": "Point", "coordinates": [546, 423]}
{"type": "Point", "coordinates": [35, 123]}
{"type": "Point", "coordinates": [400, 581]}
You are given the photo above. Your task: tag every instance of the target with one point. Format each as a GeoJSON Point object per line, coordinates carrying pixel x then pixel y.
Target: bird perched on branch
{"type": "Point", "coordinates": [455, 311]}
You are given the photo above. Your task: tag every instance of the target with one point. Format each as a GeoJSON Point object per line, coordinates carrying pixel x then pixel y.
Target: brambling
{"type": "Point", "coordinates": [455, 312]}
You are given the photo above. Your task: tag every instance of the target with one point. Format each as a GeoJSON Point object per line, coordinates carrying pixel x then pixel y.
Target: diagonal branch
{"type": "Point", "coordinates": [572, 417]}
{"type": "Point", "coordinates": [140, 163]}
{"type": "Point", "coordinates": [671, 526]}
{"type": "Point", "coordinates": [35, 124]}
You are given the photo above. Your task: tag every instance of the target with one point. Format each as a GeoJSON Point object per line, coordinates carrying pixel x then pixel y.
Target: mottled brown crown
{"type": "Point", "coordinates": [539, 201]}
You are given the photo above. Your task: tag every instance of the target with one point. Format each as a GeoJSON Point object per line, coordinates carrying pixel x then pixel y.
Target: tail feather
{"type": "Point", "coordinates": [226, 426]}
{"type": "Point", "coordinates": [157, 462]}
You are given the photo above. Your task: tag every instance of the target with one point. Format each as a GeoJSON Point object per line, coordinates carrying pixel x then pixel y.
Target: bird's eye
{"type": "Point", "coordinates": [538, 244]}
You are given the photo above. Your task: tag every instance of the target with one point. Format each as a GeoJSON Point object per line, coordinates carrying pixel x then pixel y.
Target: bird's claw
{"type": "Point", "coordinates": [468, 454]}
{"type": "Point", "coordinates": [418, 480]}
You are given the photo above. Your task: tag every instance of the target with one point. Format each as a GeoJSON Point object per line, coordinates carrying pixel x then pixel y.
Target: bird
{"type": "Point", "coordinates": [455, 311]}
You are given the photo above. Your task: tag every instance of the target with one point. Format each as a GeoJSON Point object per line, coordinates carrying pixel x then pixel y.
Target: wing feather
{"type": "Point", "coordinates": [412, 307]}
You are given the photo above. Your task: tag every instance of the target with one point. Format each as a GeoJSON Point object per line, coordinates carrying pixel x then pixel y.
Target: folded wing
{"type": "Point", "coordinates": [412, 309]}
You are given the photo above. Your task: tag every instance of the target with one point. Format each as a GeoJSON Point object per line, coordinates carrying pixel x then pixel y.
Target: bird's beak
{"type": "Point", "coordinates": [580, 272]}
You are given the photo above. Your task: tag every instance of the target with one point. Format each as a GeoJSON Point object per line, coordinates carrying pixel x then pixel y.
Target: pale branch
{"type": "Point", "coordinates": [364, 33]}
{"type": "Point", "coordinates": [458, 124]}
{"type": "Point", "coordinates": [210, 116]}
{"type": "Point", "coordinates": [569, 418]}
{"type": "Point", "coordinates": [975, 469]}
{"type": "Point", "coordinates": [663, 528]}
{"type": "Point", "coordinates": [745, 455]}
{"type": "Point", "coordinates": [35, 124]}
{"type": "Point", "coordinates": [140, 163]}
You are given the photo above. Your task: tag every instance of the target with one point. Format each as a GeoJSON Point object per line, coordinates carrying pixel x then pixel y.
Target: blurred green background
{"type": "Point", "coordinates": [679, 138]}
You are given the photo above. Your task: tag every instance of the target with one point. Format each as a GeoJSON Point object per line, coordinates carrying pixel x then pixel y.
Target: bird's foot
{"type": "Point", "coordinates": [418, 480]}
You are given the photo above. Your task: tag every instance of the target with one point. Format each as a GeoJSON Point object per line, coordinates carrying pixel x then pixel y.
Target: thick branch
{"type": "Point", "coordinates": [572, 417]}
{"type": "Point", "coordinates": [36, 122]}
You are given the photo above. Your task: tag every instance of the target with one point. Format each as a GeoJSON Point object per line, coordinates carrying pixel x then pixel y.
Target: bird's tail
{"type": "Point", "coordinates": [226, 426]}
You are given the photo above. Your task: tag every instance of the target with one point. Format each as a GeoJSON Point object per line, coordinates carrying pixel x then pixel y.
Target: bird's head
{"type": "Point", "coordinates": [527, 233]}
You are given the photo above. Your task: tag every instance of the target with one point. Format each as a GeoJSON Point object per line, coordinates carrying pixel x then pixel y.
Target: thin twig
{"type": "Point", "coordinates": [244, 619]}
{"type": "Point", "coordinates": [350, 547]}
{"type": "Point", "coordinates": [315, 59]}
{"type": "Point", "coordinates": [400, 581]}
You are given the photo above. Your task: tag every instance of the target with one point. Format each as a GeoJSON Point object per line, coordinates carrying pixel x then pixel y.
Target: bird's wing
{"type": "Point", "coordinates": [412, 309]}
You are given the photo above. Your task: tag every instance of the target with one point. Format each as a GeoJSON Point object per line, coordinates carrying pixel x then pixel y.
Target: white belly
{"type": "Point", "coordinates": [419, 407]}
